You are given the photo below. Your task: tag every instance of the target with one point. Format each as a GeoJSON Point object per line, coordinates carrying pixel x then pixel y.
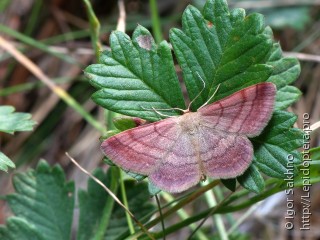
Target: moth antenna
{"type": "Point", "coordinates": [156, 111]}
{"type": "Point", "coordinates": [111, 194]}
{"type": "Point", "coordinates": [163, 109]}
{"type": "Point", "coordinates": [159, 113]}
{"type": "Point", "coordinates": [198, 95]}
{"type": "Point", "coordinates": [210, 97]}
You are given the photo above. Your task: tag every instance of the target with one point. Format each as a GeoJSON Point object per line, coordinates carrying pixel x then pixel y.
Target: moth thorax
{"type": "Point", "coordinates": [190, 122]}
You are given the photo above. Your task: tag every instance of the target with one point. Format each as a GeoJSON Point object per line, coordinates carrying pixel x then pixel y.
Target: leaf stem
{"type": "Point", "coordinates": [192, 219]}
{"type": "Point", "coordinates": [125, 201]}
{"type": "Point", "coordinates": [211, 200]}
{"type": "Point", "coordinates": [219, 194]}
{"type": "Point", "coordinates": [184, 215]}
{"type": "Point", "coordinates": [156, 26]}
{"type": "Point", "coordinates": [179, 205]}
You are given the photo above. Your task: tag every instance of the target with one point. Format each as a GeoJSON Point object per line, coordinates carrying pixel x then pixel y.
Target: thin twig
{"type": "Point", "coordinates": [111, 194]}
{"type": "Point", "coordinates": [303, 56]}
{"type": "Point", "coordinates": [121, 25]}
{"type": "Point", "coordinates": [271, 4]}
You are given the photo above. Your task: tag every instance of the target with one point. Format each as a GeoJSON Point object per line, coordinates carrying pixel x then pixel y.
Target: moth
{"type": "Point", "coordinates": [177, 152]}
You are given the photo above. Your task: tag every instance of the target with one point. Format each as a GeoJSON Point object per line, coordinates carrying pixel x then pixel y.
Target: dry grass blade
{"type": "Point", "coordinates": [303, 56]}
{"type": "Point", "coordinates": [315, 126]}
{"type": "Point", "coordinates": [46, 80]}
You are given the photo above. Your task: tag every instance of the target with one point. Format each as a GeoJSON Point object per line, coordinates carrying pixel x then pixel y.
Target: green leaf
{"type": "Point", "coordinates": [285, 70]}
{"type": "Point", "coordinates": [153, 190]}
{"type": "Point", "coordinates": [231, 184]}
{"type": "Point", "coordinates": [11, 122]}
{"type": "Point", "coordinates": [139, 204]}
{"type": "Point", "coordinates": [125, 123]}
{"type": "Point", "coordinates": [222, 47]}
{"type": "Point", "coordinates": [5, 162]}
{"type": "Point", "coordinates": [18, 228]}
{"type": "Point", "coordinates": [136, 76]}
{"type": "Point", "coordinates": [276, 143]}
{"type": "Point", "coordinates": [308, 174]}
{"type": "Point", "coordinates": [216, 47]}
{"type": "Point", "coordinates": [93, 201]}
{"type": "Point", "coordinates": [136, 176]}
{"type": "Point", "coordinates": [108, 161]}
{"type": "Point", "coordinates": [43, 205]}
{"type": "Point", "coordinates": [245, 199]}
{"type": "Point", "coordinates": [252, 180]}
{"type": "Point", "coordinates": [315, 153]}
{"type": "Point", "coordinates": [109, 134]}
{"type": "Point", "coordinates": [286, 96]}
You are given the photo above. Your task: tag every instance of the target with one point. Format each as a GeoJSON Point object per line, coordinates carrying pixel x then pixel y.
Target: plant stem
{"type": "Point", "coordinates": [184, 215]}
{"type": "Point", "coordinates": [192, 219]}
{"type": "Point", "coordinates": [107, 210]}
{"type": "Point", "coordinates": [211, 200]}
{"type": "Point", "coordinates": [243, 217]}
{"type": "Point", "coordinates": [156, 26]}
{"type": "Point", "coordinates": [94, 28]}
{"type": "Point", "coordinates": [175, 208]}
{"type": "Point", "coordinates": [218, 192]}
{"type": "Point", "coordinates": [34, 16]}
{"type": "Point", "coordinates": [274, 186]}
{"type": "Point", "coordinates": [125, 201]}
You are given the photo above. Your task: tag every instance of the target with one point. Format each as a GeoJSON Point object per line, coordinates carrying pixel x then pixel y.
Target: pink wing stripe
{"type": "Point", "coordinates": [224, 155]}
{"type": "Point", "coordinates": [175, 178]}
{"type": "Point", "coordinates": [179, 169]}
{"type": "Point", "coordinates": [140, 149]}
{"type": "Point", "coordinates": [245, 112]}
